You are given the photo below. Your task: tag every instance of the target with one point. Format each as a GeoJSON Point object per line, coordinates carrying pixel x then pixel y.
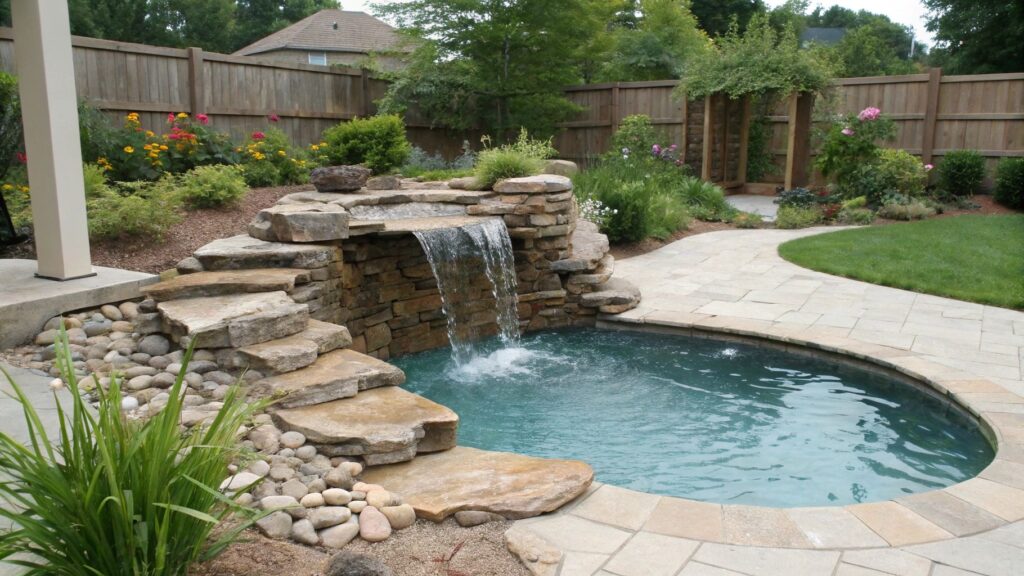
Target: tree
{"type": "Point", "coordinates": [865, 51]}
{"type": "Point", "coordinates": [658, 48]}
{"type": "Point", "coordinates": [978, 36]}
{"type": "Point", "coordinates": [495, 65]}
{"type": "Point", "coordinates": [897, 36]}
{"type": "Point", "coordinates": [716, 16]}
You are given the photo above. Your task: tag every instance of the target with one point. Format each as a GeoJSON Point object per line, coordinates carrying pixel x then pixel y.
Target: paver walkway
{"type": "Point", "coordinates": [764, 206]}
{"type": "Point", "coordinates": [734, 281]}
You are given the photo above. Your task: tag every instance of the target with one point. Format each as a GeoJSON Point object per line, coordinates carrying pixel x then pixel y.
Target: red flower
{"type": "Point", "coordinates": [273, 117]}
{"type": "Point", "coordinates": [203, 119]}
{"type": "Point", "coordinates": [22, 158]}
{"type": "Point", "coordinates": [258, 135]}
{"type": "Point", "coordinates": [170, 117]}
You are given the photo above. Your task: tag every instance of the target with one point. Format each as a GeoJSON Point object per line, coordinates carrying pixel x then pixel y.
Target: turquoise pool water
{"type": "Point", "coordinates": [705, 419]}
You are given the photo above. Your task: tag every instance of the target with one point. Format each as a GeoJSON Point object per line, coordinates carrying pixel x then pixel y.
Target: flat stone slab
{"type": "Point", "coordinates": [313, 222]}
{"type": "Point", "coordinates": [223, 282]}
{"type": "Point", "coordinates": [512, 485]}
{"type": "Point", "coordinates": [244, 251]}
{"type": "Point", "coordinates": [589, 246]}
{"type": "Point", "coordinates": [382, 197]}
{"type": "Point", "coordinates": [233, 321]}
{"type": "Point", "coordinates": [277, 356]}
{"type": "Point", "coordinates": [542, 184]}
{"type": "Point", "coordinates": [383, 425]}
{"type": "Point", "coordinates": [410, 225]}
{"type": "Point", "coordinates": [615, 297]}
{"type": "Point", "coordinates": [334, 375]}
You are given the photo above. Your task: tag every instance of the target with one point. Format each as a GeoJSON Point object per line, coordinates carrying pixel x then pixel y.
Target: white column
{"type": "Point", "coordinates": [49, 108]}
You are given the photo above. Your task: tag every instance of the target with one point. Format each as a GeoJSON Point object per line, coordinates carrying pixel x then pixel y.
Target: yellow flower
{"type": "Point", "coordinates": [8, 187]}
{"type": "Point", "coordinates": [282, 153]}
{"type": "Point", "coordinates": [129, 149]}
{"type": "Point", "coordinates": [150, 133]}
{"type": "Point", "coordinates": [163, 147]}
{"type": "Point", "coordinates": [23, 189]}
{"type": "Point", "coordinates": [314, 147]}
{"type": "Point", "coordinates": [182, 115]}
{"type": "Point", "coordinates": [323, 143]}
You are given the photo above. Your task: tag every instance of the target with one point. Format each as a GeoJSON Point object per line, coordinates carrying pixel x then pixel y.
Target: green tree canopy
{"type": "Point", "coordinates": [864, 51]}
{"type": "Point", "coordinates": [665, 38]}
{"type": "Point", "coordinates": [495, 65]}
{"type": "Point", "coordinates": [978, 36]}
{"type": "Point", "coordinates": [716, 16]}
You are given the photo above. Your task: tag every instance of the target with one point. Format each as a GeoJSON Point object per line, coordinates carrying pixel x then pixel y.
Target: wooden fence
{"type": "Point", "coordinates": [238, 93]}
{"type": "Point", "coordinates": [934, 115]}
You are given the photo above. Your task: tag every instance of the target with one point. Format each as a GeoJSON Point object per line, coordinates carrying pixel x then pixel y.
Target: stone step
{"type": "Point", "coordinates": [592, 280]}
{"type": "Point", "coordinates": [333, 376]}
{"type": "Point", "coordinates": [383, 425]}
{"type": "Point", "coordinates": [233, 321]}
{"type": "Point", "coordinates": [381, 197]}
{"type": "Point", "coordinates": [244, 252]}
{"type": "Point", "coordinates": [293, 352]}
{"type": "Point", "coordinates": [512, 485]}
{"type": "Point", "coordinates": [312, 222]}
{"type": "Point", "coordinates": [224, 282]}
{"type": "Point", "coordinates": [615, 297]}
{"type": "Point", "coordinates": [589, 247]}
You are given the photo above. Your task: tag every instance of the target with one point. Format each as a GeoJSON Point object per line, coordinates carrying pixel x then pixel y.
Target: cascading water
{"type": "Point", "coordinates": [456, 256]}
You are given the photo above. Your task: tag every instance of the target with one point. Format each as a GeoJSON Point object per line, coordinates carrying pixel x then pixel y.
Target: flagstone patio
{"type": "Point", "coordinates": [734, 282]}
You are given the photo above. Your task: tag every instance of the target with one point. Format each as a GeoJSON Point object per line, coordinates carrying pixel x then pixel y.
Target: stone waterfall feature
{"type": "Point", "coordinates": [462, 260]}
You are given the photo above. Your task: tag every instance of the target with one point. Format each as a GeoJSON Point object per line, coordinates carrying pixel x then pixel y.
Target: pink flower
{"type": "Point", "coordinates": [273, 117]}
{"type": "Point", "coordinates": [868, 114]}
{"type": "Point", "coordinates": [258, 135]}
{"type": "Point", "coordinates": [22, 157]}
{"type": "Point", "coordinates": [170, 117]}
{"type": "Point", "coordinates": [847, 131]}
{"type": "Point", "coordinates": [928, 167]}
{"type": "Point", "coordinates": [655, 149]}
{"type": "Point", "coordinates": [203, 119]}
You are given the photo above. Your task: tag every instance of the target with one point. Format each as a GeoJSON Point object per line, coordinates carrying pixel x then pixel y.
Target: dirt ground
{"type": "Point", "coordinates": [425, 549]}
{"type": "Point", "coordinates": [196, 229]}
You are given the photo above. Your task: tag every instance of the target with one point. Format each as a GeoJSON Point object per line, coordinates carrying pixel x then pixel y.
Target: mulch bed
{"type": "Point", "coordinates": [198, 228]}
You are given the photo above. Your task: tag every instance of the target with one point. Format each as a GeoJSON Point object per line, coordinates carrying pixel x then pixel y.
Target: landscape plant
{"type": "Point", "coordinates": [856, 216]}
{"type": "Point", "coordinates": [793, 217]}
{"type": "Point", "coordinates": [961, 173]}
{"type": "Point", "coordinates": [270, 159]}
{"type": "Point", "coordinates": [10, 122]}
{"type": "Point", "coordinates": [1009, 189]}
{"type": "Point", "coordinates": [139, 209]}
{"type": "Point", "coordinates": [378, 142]}
{"type": "Point", "coordinates": [434, 167]}
{"type": "Point", "coordinates": [851, 145]}
{"type": "Point", "coordinates": [523, 157]}
{"type": "Point", "coordinates": [108, 495]}
{"type": "Point", "coordinates": [212, 186]}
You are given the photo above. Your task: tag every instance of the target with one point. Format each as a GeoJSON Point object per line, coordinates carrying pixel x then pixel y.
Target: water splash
{"type": "Point", "coordinates": [456, 256]}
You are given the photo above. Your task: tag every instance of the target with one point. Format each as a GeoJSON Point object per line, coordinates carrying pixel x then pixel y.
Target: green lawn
{"type": "Point", "coordinates": [974, 258]}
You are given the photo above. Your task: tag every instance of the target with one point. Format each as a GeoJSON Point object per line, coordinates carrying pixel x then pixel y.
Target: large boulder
{"type": "Point", "coordinates": [300, 223]}
{"type": "Point", "coordinates": [339, 178]}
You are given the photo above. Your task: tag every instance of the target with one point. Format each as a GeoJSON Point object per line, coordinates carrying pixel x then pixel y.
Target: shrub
{"type": "Point", "coordinates": [110, 495]}
{"type": "Point", "coordinates": [910, 210]}
{"type": "Point", "coordinates": [524, 157]}
{"type": "Point", "coordinates": [593, 210]}
{"type": "Point", "coordinates": [961, 173]}
{"type": "Point", "coordinates": [705, 199]}
{"type": "Point", "coordinates": [850, 143]}
{"type": "Point", "coordinates": [629, 221]}
{"type": "Point", "coordinates": [10, 122]}
{"type": "Point", "coordinates": [856, 216]}
{"type": "Point", "coordinates": [17, 193]}
{"type": "Point", "coordinates": [212, 186]}
{"type": "Point", "coordinates": [1010, 183]}
{"type": "Point", "coordinates": [135, 209]}
{"type": "Point", "coordinates": [797, 198]}
{"type": "Point", "coordinates": [377, 142]}
{"type": "Point", "coordinates": [635, 135]}
{"type": "Point", "coordinates": [791, 217]}
{"type": "Point", "coordinates": [270, 159]}
{"type": "Point", "coordinates": [858, 202]}
{"type": "Point", "coordinates": [433, 167]}
{"type": "Point", "coordinates": [905, 171]}
{"type": "Point", "coordinates": [747, 220]}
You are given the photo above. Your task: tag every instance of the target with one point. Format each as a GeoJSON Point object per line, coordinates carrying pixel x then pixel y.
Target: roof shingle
{"type": "Point", "coordinates": [356, 32]}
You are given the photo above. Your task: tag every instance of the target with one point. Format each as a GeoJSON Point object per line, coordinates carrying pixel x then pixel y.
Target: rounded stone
{"type": "Point", "coordinates": [356, 506]}
{"type": "Point", "coordinates": [373, 525]}
{"type": "Point", "coordinates": [327, 516]}
{"type": "Point", "coordinates": [316, 485]}
{"type": "Point", "coordinates": [129, 403]}
{"type": "Point", "coordinates": [259, 468]}
{"type": "Point", "coordinates": [277, 525]}
{"type": "Point", "coordinates": [337, 537]}
{"type": "Point", "coordinates": [353, 468]}
{"type": "Point", "coordinates": [305, 453]}
{"type": "Point", "coordinates": [337, 496]}
{"type": "Point", "coordinates": [278, 503]}
{"type": "Point", "coordinates": [97, 328]}
{"type": "Point", "coordinates": [312, 500]}
{"type": "Point", "coordinates": [339, 478]}
{"type": "Point", "coordinates": [400, 517]}
{"type": "Point", "coordinates": [140, 383]}
{"type": "Point", "coordinates": [155, 345]}
{"type": "Point", "coordinates": [164, 380]}
{"type": "Point", "coordinates": [111, 312]}
{"type": "Point", "coordinates": [304, 533]}
{"type": "Point", "coordinates": [470, 518]}
{"type": "Point", "coordinates": [159, 362]}
{"type": "Point", "coordinates": [292, 439]}
{"type": "Point", "coordinates": [123, 327]}
{"type": "Point", "coordinates": [380, 499]}
{"type": "Point", "coordinates": [129, 310]}
{"type": "Point", "coordinates": [294, 488]}
{"type": "Point", "coordinates": [281, 473]}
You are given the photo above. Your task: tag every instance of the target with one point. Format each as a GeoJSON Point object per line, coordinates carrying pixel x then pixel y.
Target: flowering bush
{"type": "Point", "coordinates": [270, 159]}
{"type": "Point", "coordinates": [595, 211]}
{"type": "Point", "coordinates": [851, 142]}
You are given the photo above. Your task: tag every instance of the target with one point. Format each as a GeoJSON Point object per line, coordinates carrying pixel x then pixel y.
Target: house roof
{"type": "Point", "coordinates": [822, 35]}
{"type": "Point", "coordinates": [356, 32]}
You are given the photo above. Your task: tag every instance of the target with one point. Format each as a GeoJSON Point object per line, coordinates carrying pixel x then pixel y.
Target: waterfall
{"type": "Point", "coordinates": [456, 256]}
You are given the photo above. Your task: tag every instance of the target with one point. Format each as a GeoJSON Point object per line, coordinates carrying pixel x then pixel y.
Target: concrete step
{"type": "Point", "coordinates": [225, 282]}
{"type": "Point", "coordinates": [616, 296]}
{"type": "Point", "coordinates": [293, 352]}
{"type": "Point", "coordinates": [589, 247]}
{"type": "Point", "coordinates": [233, 321]}
{"type": "Point", "coordinates": [383, 425]}
{"type": "Point", "coordinates": [334, 375]}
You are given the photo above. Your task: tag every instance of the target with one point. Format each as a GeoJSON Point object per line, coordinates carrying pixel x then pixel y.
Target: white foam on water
{"type": "Point", "coordinates": [502, 363]}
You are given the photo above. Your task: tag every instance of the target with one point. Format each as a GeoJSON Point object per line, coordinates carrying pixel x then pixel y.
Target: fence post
{"type": "Point", "coordinates": [931, 114]}
{"type": "Point", "coordinates": [615, 107]}
{"type": "Point", "coordinates": [798, 150]}
{"type": "Point", "coordinates": [723, 145]}
{"type": "Point", "coordinates": [364, 81]}
{"type": "Point", "coordinates": [709, 134]}
{"type": "Point", "coordinates": [741, 168]}
{"type": "Point", "coordinates": [685, 108]}
{"type": "Point", "coordinates": [195, 80]}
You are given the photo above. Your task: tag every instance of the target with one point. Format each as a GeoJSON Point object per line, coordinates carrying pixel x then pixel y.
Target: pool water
{"type": "Point", "coordinates": [704, 419]}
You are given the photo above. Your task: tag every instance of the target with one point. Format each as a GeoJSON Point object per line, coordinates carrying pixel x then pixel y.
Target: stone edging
{"type": "Point", "coordinates": [977, 505]}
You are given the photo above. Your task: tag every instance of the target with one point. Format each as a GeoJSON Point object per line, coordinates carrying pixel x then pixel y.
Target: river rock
{"type": "Point", "coordinates": [339, 478]}
{"type": "Point", "coordinates": [357, 506]}
{"type": "Point", "coordinates": [400, 517]}
{"type": "Point", "coordinates": [111, 312]}
{"type": "Point", "coordinates": [155, 345]}
{"type": "Point", "coordinates": [540, 557]}
{"type": "Point", "coordinates": [337, 537]}
{"type": "Point", "coordinates": [470, 518]}
{"type": "Point", "coordinates": [266, 438]}
{"type": "Point", "coordinates": [386, 182]}
{"type": "Point", "coordinates": [337, 496]}
{"type": "Point", "coordinates": [277, 525]}
{"type": "Point", "coordinates": [561, 168]}
{"type": "Point", "coordinates": [512, 485]}
{"type": "Point", "coordinates": [259, 468]}
{"type": "Point", "coordinates": [238, 481]}
{"type": "Point", "coordinates": [278, 503]}
{"type": "Point", "coordinates": [304, 533]}
{"type": "Point", "coordinates": [294, 488]}
{"type": "Point", "coordinates": [373, 525]}
{"type": "Point", "coordinates": [292, 440]}
{"type": "Point", "coordinates": [312, 500]}
{"type": "Point", "coordinates": [327, 516]}
{"type": "Point", "coordinates": [339, 178]}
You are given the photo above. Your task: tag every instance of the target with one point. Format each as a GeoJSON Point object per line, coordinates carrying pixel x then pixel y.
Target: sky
{"type": "Point", "coordinates": [909, 12]}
